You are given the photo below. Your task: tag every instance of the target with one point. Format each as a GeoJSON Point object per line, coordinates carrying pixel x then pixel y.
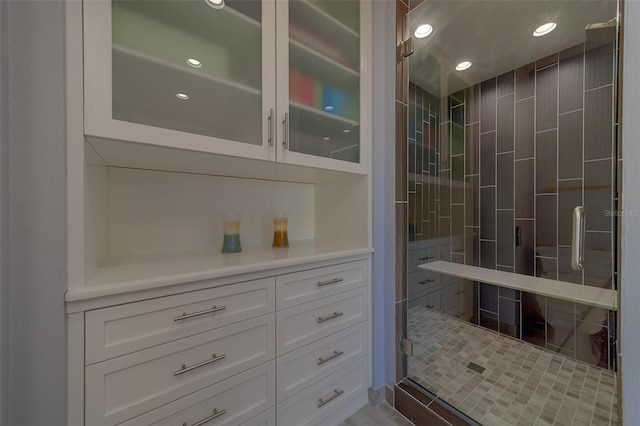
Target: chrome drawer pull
{"type": "Point", "coordinates": [197, 314]}
{"type": "Point", "coordinates": [186, 369]}
{"type": "Point", "coordinates": [215, 415]}
{"type": "Point", "coordinates": [427, 281]}
{"type": "Point", "coordinates": [336, 393]}
{"type": "Point", "coordinates": [333, 281]}
{"type": "Point", "coordinates": [328, 358]}
{"type": "Point", "coordinates": [328, 317]}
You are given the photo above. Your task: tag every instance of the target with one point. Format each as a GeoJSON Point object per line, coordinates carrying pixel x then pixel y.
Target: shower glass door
{"type": "Point", "coordinates": [512, 189]}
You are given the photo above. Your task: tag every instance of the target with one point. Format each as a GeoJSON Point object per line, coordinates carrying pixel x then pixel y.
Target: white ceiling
{"type": "Point", "coordinates": [496, 36]}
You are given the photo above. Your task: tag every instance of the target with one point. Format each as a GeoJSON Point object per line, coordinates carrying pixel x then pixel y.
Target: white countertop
{"type": "Point", "coordinates": [594, 296]}
{"type": "Point", "coordinates": [123, 275]}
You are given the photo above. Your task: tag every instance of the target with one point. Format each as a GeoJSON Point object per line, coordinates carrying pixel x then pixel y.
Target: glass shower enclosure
{"type": "Point", "coordinates": [512, 193]}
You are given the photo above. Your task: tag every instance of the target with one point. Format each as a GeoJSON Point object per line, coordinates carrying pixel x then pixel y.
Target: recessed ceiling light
{"type": "Point", "coordinates": [326, 138]}
{"type": "Point", "coordinates": [216, 4]}
{"type": "Point", "coordinates": [423, 30]}
{"type": "Point", "coordinates": [328, 108]}
{"type": "Point", "coordinates": [346, 131]}
{"type": "Point", "coordinates": [182, 96]}
{"type": "Point", "coordinates": [194, 63]}
{"type": "Point", "coordinates": [544, 29]}
{"type": "Point", "coordinates": [464, 65]}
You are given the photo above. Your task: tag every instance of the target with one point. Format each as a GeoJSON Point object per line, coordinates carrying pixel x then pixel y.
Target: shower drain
{"type": "Point", "coordinates": [475, 367]}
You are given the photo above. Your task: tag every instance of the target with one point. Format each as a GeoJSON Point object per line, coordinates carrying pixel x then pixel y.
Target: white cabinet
{"type": "Point", "coordinates": [174, 118]}
{"type": "Point", "coordinates": [230, 353]}
{"type": "Point", "coordinates": [124, 387]}
{"type": "Point", "coordinates": [192, 77]}
{"type": "Point", "coordinates": [322, 343]}
{"type": "Point", "coordinates": [119, 330]}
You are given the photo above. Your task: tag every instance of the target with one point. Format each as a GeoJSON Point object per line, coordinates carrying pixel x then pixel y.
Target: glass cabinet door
{"type": "Point", "coordinates": [189, 74]}
{"type": "Point", "coordinates": [324, 79]}
{"type": "Point", "coordinates": [192, 66]}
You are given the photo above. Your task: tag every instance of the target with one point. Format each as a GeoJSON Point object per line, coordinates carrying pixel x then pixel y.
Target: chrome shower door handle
{"type": "Point", "coordinates": [577, 239]}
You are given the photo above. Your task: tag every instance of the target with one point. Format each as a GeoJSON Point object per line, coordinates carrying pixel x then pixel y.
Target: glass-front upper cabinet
{"type": "Point", "coordinates": [192, 74]}
{"type": "Point", "coordinates": [320, 94]}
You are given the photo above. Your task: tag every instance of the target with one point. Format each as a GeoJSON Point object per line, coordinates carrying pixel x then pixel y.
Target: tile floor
{"type": "Point", "coordinates": [382, 415]}
{"type": "Point", "coordinates": [521, 383]}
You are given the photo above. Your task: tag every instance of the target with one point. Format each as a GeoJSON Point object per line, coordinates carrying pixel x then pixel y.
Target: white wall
{"type": "Point", "coordinates": [154, 211]}
{"type": "Point", "coordinates": [383, 152]}
{"type": "Point", "coordinates": [630, 285]}
{"type": "Point", "coordinates": [37, 236]}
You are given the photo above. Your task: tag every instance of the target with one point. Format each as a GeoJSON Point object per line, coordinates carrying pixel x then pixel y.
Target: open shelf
{"type": "Point", "coordinates": [593, 296]}
{"type": "Point", "coordinates": [142, 272]}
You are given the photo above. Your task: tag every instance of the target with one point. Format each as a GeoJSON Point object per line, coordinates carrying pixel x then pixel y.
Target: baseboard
{"type": "Point", "coordinates": [388, 395]}
{"type": "Point", "coordinates": [382, 394]}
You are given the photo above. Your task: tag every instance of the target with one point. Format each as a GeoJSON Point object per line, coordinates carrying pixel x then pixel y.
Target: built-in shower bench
{"type": "Point", "coordinates": [594, 296]}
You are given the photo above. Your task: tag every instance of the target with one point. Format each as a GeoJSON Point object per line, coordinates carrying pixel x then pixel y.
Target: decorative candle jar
{"type": "Point", "coordinates": [280, 238]}
{"type": "Point", "coordinates": [231, 241]}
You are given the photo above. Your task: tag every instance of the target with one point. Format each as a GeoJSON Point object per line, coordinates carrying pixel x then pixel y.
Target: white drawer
{"type": "Point", "coordinates": [420, 256]}
{"type": "Point", "coordinates": [303, 324]}
{"type": "Point", "coordinates": [241, 397]}
{"type": "Point", "coordinates": [306, 286]}
{"type": "Point", "coordinates": [268, 418]}
{"type": "Point", "coordinates": [123, 329]}
{"type": "Point", "coordinates": [431, 300]}
{"type": "Point", "coordinates": [303, 367]}
{"type": "Point", "coordinates": [317, 402]}
{"type": "Point", "coordinates": [423, 281]}
{"type": "Point", "coordinates": [127, 386]}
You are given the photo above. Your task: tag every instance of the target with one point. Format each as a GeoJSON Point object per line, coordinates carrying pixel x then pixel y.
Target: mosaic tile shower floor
{"type": "Point", "coordinates": [522, 384]}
